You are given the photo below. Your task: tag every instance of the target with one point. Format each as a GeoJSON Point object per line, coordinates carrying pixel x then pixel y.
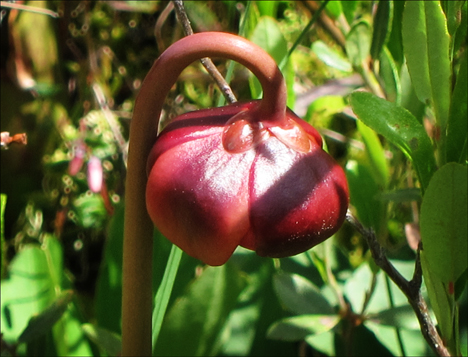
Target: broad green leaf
{"type": "Point", "coordinates": [400, 316]}
{"type": "Point", "coordinates": [365, 343]}
{"type": "Point", "coordinates": [426, 47]}
{"type": "Point", "coordinates": [330, 57]}
{"type": "Point", "coordinates": [28, 291]}
{"type": "Point", "coordinates": [382, 27]}
{"type": "Point", "coordinates": [412, 340]}
{"type": "Point", "coordinates": [444, 223]}
{"type": "Point", "coordinates": [358, 42]}
{"type": "Point", "coordinates": [375, 153]}
{"type": "Point", "coordinates": [300, 295]}
{"type": "Point", "coordinates": [399, 127]}
{"type": "Point", "coordinates": [40, 324]}
{"type": "Point", "coordinates": [194, 322]}
{"type": "Point", "coordinates": [298, 327]}
{"type": "Point", "coordinates": [364, 191]}
{"type": "Point", "coordinates": [107, 340]}
{"type": "Point", "coordinates": [358, 285]}
{"type": "Point", "coordinates": [242, 325]}
{"type": "Point", "coordinates": [325, 341]}
{"type": "Point", "coordinates": [456, 147]}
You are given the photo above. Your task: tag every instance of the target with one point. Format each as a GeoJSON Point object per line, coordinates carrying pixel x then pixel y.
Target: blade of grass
{"type": "Point", "coordinates": [164, 292]}
{"type": "Point", "coordinates": [307, 28]}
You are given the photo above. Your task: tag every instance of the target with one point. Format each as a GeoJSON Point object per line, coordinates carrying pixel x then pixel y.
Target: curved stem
{"type": "Point", "coordinates": [138, 234]}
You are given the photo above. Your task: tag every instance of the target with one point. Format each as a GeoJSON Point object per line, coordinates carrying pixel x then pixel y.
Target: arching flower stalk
{"type": "Point", "coordinates": [251, 174]}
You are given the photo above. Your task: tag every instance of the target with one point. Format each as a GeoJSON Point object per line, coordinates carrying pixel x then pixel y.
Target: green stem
{"type": "Point", "coordinates": [164, 292]}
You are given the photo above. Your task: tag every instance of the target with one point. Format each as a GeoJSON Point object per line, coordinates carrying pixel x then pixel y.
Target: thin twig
{"type": "Point", "coordinates": [411, 289]}
{"type": "Point", "coordinates": [206, 62]}
{"type": "Point", "coordinates": [34, 9]}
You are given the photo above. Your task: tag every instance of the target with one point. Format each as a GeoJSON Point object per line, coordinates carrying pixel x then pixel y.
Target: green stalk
{"type": "Point", "coordinates": [164, 292]}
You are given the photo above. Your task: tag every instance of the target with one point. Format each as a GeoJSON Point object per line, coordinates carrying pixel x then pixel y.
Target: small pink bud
{"type": "Point", "coordinates": [77, 162]}
{"type": "Point", "coordinates": [94, 174]}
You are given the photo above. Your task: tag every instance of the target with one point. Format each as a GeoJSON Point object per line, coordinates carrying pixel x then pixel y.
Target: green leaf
{"type": "Point", "coordinates": [382, 27]}
{"type": "Point", "coordinates": [298, 327]}
{"type": "Point", "coordinates": [456, 149]}
{"type": "Point", "coordinates": [333, 8]}
{"type": "Point", "coordinates": [358, 42]}
{"type": "Point", "coordinates": [330, 57]}
{"type": "Point", "coordinates": [453, 15]}
{"type": "Point", "coordinates": [444, 222]}
{"type": "Point", "coordinates": [426, 46]}
{"type": "Point", "coordinates": [268, 36]}
{"type": "Point", "coordinates": [412, 341]}
{"type": "Point", "coordinates": [390, 76]}
{"type": "Point", "coordinates": [400, 127]}
{"type": "Point", "coordinates": [440, 301]}
{"type": "Point", "coordinates": [400, 316]}
{"type": "Point", "coordinates": [2, 233]}
{"type": "Point", "coordinates": [375, 153]}
{"type": "Point", "coordinates": [300, 295]}
{"type": "Point", "coordinates": [267, 8]}
{"type": "Point", "coordinates": [325, 342]}
{"type": "Point", "coordinates": [164, 291]}
{"type": "Point", "coordinates": [358, 285]}
{"type": "Point", "coordinates": [364, 192]}
{"type": "Point", "coordinates": [28, 291]}
{"type": "Point", "coordinates": [103, 338]}
{"type": "Point", "coordinates": [90, 210]}
{"type": "Point", "coordinates": [402, 195]}
{"type": "Point", "coordinates": [41, 324]}
{"type": "Point", "coordinates": [349, 9]}
{"type": "Point", "coordinates": [395, 41]}
{"type": "Point", "coordinates": [193, 324]}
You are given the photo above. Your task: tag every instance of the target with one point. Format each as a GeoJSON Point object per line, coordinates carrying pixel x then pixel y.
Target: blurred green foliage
{"type": "Point", "coordinates": [70, 83]}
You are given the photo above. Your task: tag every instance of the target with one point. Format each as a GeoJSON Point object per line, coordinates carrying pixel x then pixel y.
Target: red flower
{"type": "Point", "coordinates": [230, 176]}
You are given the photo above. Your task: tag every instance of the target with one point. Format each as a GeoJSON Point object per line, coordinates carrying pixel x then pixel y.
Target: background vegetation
{"type": "Point", "coordinates": [70, 73]}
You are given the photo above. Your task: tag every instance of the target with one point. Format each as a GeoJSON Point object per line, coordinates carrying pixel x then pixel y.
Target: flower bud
{"type": "Point", "coordinates": [229, 176]}
{"type": "Point", "coordinates": [94, 174]}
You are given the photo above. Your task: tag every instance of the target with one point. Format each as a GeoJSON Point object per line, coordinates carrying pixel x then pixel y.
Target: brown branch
{"type": "Point", "coordinates": [411, 288]}
{"type": "Point", "coordinates": [206, 62]}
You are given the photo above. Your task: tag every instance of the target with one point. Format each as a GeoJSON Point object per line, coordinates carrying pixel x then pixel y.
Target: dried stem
{"type": "Point", "coordinates": [33, 9]}
{"type": "Point", "coordinates": [411, 289]}
{"type": "Point", "coordinates": [206, 62]}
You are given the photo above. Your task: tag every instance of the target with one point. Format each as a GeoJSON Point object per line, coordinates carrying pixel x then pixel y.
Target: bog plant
{"type": "Point", "coordinates": [249, 175]}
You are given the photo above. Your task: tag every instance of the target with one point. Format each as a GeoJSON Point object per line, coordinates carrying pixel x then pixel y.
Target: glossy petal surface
{"type": "Point", "coordinates": [218, 178]}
